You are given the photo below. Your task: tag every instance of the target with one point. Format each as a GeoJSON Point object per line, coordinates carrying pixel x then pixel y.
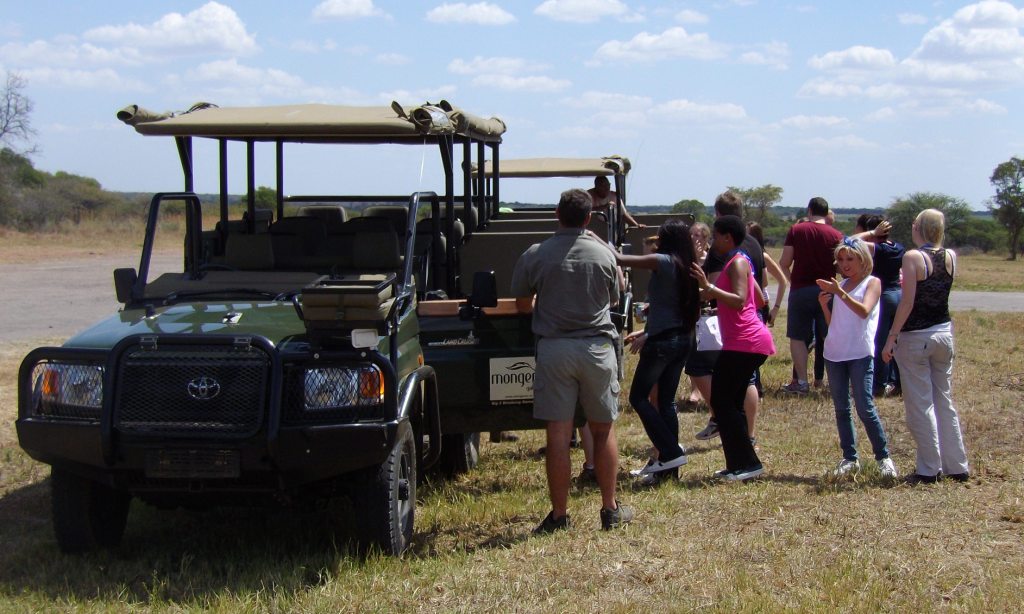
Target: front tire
{"type": "Point", "coordinates": [385, 504]}
{"type": "Point", "coordinates": [87, 515]}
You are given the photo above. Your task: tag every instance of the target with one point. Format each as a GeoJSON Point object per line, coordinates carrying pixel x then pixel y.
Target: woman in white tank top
{"type": "Point", "coordinates": [851, 310]}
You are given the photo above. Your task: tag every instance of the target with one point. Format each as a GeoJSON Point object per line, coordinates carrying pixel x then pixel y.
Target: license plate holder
{"type": "Point", "coordinates": [193, 463]}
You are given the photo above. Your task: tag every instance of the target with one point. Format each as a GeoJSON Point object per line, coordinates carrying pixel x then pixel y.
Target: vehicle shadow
{"type": "Point", "coordinates": [181, 556]}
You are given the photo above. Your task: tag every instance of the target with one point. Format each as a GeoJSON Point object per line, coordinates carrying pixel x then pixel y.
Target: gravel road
{"type": "Point", "coordinates": [57, 299]}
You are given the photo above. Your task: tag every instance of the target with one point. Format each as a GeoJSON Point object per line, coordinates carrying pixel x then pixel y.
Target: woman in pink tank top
{"type": "Point", "coordinates": [746, 344]}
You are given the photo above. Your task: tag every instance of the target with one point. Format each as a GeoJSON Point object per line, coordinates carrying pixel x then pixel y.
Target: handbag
{"type": "Point", "coordinates": [709, 337]}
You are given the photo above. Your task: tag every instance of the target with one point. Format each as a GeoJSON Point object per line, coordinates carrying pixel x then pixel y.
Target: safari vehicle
{"type": "Point", "coordinates": [284, 362]}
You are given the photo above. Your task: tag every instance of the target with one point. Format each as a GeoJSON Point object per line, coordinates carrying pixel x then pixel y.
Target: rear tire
{"type": "Point", "coordinates": [87, 515]}
{"type": "Point", "coordinates": [385, 504]}
{"type": "Point", "coordinates": [460, 453]}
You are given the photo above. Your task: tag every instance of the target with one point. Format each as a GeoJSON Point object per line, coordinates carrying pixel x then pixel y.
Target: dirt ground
{"type": "Point", "coordinates": [45, 298]}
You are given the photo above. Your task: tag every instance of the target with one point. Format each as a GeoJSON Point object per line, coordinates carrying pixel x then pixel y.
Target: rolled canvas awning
{"type": "Point", "coordinates": [560, 167]}
{"type": "Point", "coordinates": [393, 123]}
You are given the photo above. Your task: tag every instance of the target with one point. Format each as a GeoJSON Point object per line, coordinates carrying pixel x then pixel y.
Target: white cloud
{"type": "Point", "coordinates": [581, 11]}
{"type": "Point", "coordinates": [481, 13]}
{"type": "Point", "coordinates": [104, 78]}
{"type": "Point", "coordinates": [805, 122]}
{"type": "Point", "coordinates": [415, 97]}
{"type": "Point", "coordinates": [68, 53]}
{"type": "Point", "coordinates": [857, 57]}
{"type": "Point", "coordinates": [607, 101]}
{"type": "Point", "coordinates": [529, 84]}
{"type": "Point", "coordinates": [211, 29]}
{"type": "Point", "coordinates": [688, 111]}
{"type": "Point", "coordinates": [672, 43]}
{"type": "Point", "coordinates": [391, 59]}
{"type": "Point", "coordinates": [347, 9]}
{"type": "Point", "coordinates": [911, 19]}
{"type": "Point", "coordinates": [229, 82]}
{"type": "Point", "coordinates": [307, 46]}
{"type": "Point", "coordinates": [881, 115]}
{"type": "Point", "coordinates": [774, 55]}
{"type": "Point", "coordinates": [498, 65]}
{"type": "Point", "coordinates": [690, 16]}
{"type": "Point", "coordinates": [845, 142]}
{"type": "Point", "coordinates": [981, 43]}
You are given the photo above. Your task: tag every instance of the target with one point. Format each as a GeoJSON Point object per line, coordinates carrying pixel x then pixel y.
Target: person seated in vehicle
{"type": "Point", "coordinates": [604, 197]}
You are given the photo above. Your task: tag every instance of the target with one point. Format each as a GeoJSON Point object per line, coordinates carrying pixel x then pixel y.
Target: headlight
{"type": "Point", "coordinates": [62, 390]}
{"type": "Point", "coordinates": [331, 388]}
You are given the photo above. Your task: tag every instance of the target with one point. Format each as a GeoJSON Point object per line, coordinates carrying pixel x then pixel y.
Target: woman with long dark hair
{"type": "Point", "coordinates": [664, 344]}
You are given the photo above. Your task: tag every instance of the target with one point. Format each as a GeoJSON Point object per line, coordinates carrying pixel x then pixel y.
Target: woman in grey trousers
{"type": "Point", "coordinates": [921, 339]}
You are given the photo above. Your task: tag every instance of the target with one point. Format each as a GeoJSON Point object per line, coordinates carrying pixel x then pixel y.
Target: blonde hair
{"type": "Point", "coordinates": [858, 248]}
{"type": "Point", "coordinates": [931, 223]}
{"type": "Point", "coordinates": [705, 233]}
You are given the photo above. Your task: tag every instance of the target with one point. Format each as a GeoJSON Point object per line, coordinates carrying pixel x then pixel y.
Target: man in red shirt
{"type": "Point", "coordinates": [807, 256]}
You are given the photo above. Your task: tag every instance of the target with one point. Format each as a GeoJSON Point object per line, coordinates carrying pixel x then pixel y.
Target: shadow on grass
{"type": "Point", "coordinates": [180, 556]}
{"type": "Point", "coordinates": [191, 556]}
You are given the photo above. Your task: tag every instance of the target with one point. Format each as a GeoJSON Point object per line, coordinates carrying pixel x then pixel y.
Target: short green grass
{"type": "Point", "coordinates": [796, 540]}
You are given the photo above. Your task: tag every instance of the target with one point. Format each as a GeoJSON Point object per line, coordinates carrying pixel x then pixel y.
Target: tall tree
{"type": "Point", "coordinates": [691, 206]}
{"type": "Point", "coordinates": [1008, 204]}
{"type": "Point", "coordinates": [902, 211]}
{"type": "Point", "coordinates": [15, 113]}
{"type": "Point", "coordinates": [761, 199]}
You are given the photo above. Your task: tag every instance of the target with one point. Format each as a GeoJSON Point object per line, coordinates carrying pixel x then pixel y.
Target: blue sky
{"type": "Point", "coordinates": [859, 102]}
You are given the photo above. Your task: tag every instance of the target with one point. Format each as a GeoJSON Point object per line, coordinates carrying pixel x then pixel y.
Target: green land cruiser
{"type": "Point", "coordinates": [288, 359]}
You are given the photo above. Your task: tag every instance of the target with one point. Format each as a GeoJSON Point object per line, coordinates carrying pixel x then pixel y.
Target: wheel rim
{"type": "Point", "coordinates": [406, 500]}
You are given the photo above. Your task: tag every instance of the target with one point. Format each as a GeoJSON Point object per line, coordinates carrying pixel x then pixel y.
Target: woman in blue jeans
{"type": "Point", "coordinates": [664, 344]}
{"type": "Point", "coordinates": [851, 309]}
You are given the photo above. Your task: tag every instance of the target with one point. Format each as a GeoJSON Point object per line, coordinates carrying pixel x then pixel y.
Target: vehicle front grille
{"type": "Point", "coordinates": [192, 391]}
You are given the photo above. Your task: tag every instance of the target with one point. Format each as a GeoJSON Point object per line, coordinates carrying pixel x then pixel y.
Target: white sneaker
{"type": "Point", "coordinates": [656, 465]}
{"type": "Point", "coordinates": [887, 468]}
{"type": "Point", "coordinates": [639, 472]}
{"type": "Point", "coordinates": [846, 466]}
{"type": "Point", "coordinates": [742, 475]}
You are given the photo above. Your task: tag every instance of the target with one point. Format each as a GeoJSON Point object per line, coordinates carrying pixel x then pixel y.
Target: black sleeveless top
{"type": "Point", "coordinates": [931, 302]}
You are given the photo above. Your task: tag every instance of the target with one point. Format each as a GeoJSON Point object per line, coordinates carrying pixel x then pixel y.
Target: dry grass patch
{"type": "Point", "coordinates": [798, 539]}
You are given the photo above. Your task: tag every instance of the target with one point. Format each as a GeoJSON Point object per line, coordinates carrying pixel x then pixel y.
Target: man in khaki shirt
{"type": "Point", "coordinates": [575, 280]}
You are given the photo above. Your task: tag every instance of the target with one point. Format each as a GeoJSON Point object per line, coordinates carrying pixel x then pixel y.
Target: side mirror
{"type": "Point", "coordinates": [124, 282]}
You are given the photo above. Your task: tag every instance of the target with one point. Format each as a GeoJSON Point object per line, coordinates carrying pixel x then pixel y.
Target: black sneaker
{"type": "Point", "coordinates": [613, 519]}
{"type": "Point", "coordinates": [587, 476]}
{"type": "Point", "coordinates": [957, 477]}
{"type": "Point", "coordinates": [550, 524]}
{"type": "Point", "coordinates": [916, 478]}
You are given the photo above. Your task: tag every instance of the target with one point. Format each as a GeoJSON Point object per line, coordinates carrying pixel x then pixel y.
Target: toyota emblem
{"type": "Point", "coordinates": [203, 388]}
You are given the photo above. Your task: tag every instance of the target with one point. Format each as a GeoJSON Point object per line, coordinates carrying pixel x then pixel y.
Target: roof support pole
{"type": "Point", "coordinates": [222, 146]}
{"type": "Point", "coordinates": [467, 177]}
{"type": "Point", "coordinates": [446, 146]}
{"type": "Point", "coordinates": [250, 182]}
{"type": "Point", "coordinates": [184, 144]}
{"type": "Point", "coordinates": [481, 182]}
{"type": "Point", "coordinates": [279, 150]}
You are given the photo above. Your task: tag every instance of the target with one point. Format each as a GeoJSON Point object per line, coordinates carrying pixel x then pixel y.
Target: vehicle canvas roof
{"type": "Point", "coordinates": [560, 167]}
{"type": "Point", "coordinates": [316, 122]}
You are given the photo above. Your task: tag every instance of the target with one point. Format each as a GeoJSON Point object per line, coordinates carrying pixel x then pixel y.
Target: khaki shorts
{"type": "Point", "coordinates": [573, 371]}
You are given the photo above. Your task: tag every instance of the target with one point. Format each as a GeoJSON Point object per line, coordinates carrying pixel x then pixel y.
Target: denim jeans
{"type": "Point", "coordinates": [886, 372]}
{"type": "Point", "coordinates": [926, 367]}
{"type": "Point", "coordinates": [854, 377]}
{"type": "Point", "coordinates": [661, 362]}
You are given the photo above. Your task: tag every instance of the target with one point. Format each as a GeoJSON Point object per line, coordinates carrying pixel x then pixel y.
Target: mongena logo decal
{"type": "Point", "coordinates": [511, 379]}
